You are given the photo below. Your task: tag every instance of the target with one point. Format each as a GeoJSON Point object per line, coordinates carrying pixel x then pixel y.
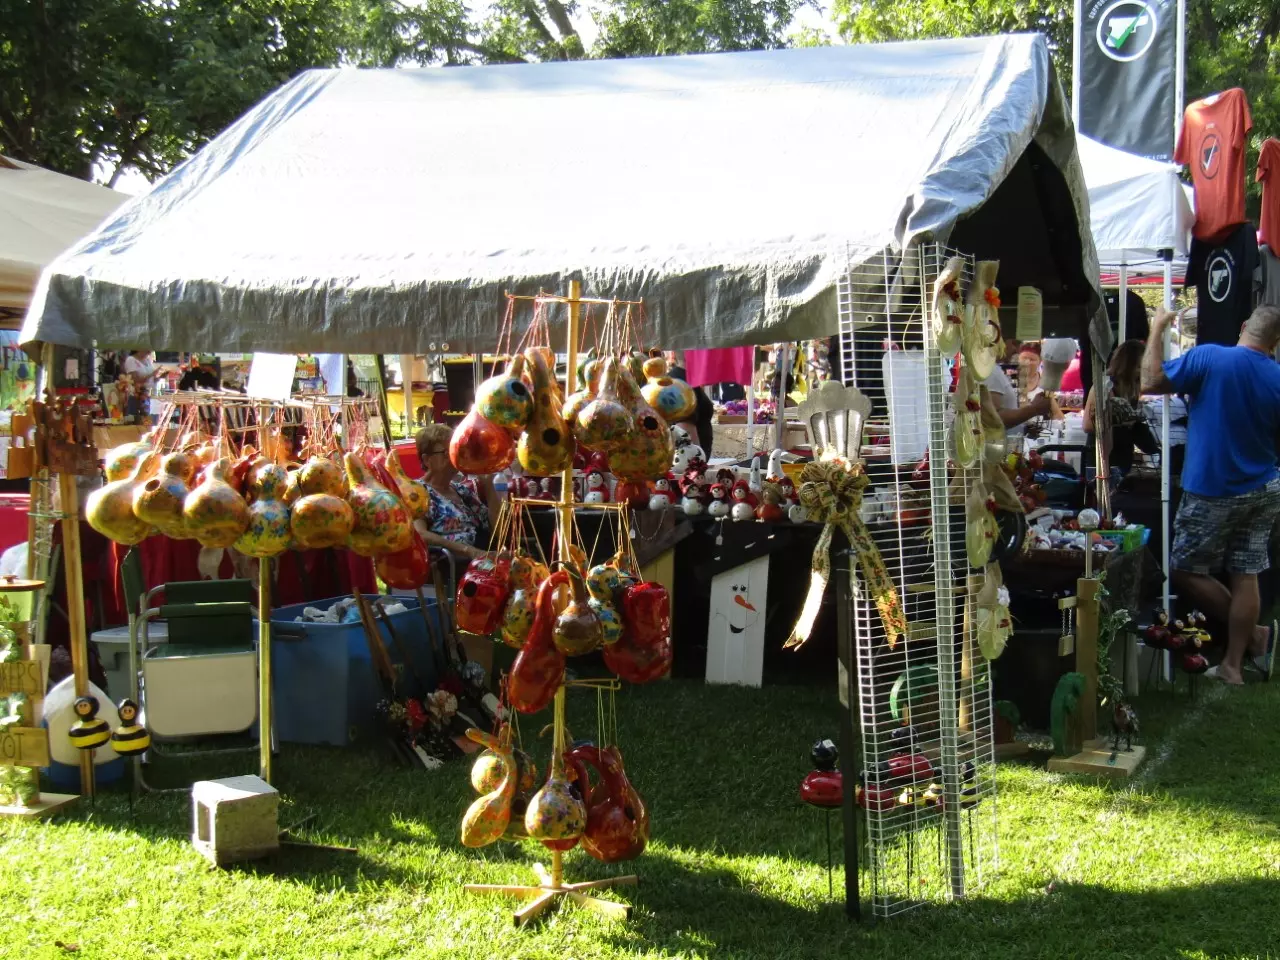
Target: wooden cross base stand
{"type": "Point", "coordinates": [548, 893]}
{"type": "Point", "coordinates": [1099, 759]}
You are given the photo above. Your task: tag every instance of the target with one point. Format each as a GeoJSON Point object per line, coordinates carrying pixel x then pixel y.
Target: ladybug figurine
{"type": "Point", "coordinates": [823, 786]}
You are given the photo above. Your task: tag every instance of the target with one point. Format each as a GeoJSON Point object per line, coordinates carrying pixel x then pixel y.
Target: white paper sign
{"type": "Point", "coordinates": [271, 376]}
{"type": "Point", "coordinates": [1030, 324]}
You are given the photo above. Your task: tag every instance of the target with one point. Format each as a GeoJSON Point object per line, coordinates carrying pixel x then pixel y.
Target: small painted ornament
{"type": "Point", "coordinates": [482, 596]}
{"type": "Point", "coordinates": [517, 618]}
{"type": "Point", "coordinates": [486, 819]}
{"type": "Point", "coordinates": [131, 737]}
{"type": "Point", "coordinates": [89, 731]}
{"type": "Point", "coordinates": [718, 508]}
{"type": "Point", "coordinates": [555, 812]}
{"type": "Point", "coordinates": [824, 785]}
{"type": "Point", "coordinates": [504, 400]}
{"type": "Point", "coordinates": [214, 513]}
{"type": "Point", "coordinates": [770, 509]}
{"type": "Point", "coordinates": [268, 532]}
{"type": "Point", "coordinates": [687, 456]}
{"type": "Point", "coordinates": [662, 497]}
{"type": "Point", "coordinates": [603, 581]}
{"type": "Point", "coordinates": [744, 507]}
{"type": "Point", "coordinates": [597, 488]}
{"type": "Point", "coordinates": [381, 524]}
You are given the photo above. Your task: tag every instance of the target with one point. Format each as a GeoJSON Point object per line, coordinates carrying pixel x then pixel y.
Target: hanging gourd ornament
{"type": "Point", "coordinates": [268, 532]}
{"type": "Point", "coordinates": [109, 509]}
{"type": "Point", "coordinates": [505, 400]}
{"type": "Point", "coordinates": [381, 521]}
{"type": "Point", "coordinates": [214, 513]}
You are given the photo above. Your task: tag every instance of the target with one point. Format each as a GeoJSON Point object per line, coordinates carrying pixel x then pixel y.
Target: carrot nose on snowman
{"type": "Point", "coordinates": [741, 601]}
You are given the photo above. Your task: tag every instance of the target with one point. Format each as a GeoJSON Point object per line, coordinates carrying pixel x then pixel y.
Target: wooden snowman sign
{"type": "Point", "coordinates": [735, 628]}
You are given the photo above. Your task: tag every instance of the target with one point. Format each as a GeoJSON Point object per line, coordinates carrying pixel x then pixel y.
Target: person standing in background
{"type": "Point", "coordinates": [139, 368]}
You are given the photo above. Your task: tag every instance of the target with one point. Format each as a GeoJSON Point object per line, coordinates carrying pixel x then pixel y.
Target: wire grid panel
{"type": "Point", "coordinates": [924, 704]}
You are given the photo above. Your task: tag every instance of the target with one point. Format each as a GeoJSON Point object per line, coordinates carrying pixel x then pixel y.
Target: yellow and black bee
{"type": "Point", "coordinates": [88, 732]}
{"type": "Point", "coordinates": [130, 738]}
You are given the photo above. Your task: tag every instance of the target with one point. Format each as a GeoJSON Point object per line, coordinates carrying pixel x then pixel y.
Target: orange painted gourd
{"type": "Point", "coordinates": [214, 514]}
{"type": "Point", "coordinates": [381, 523]}
{"type": "Point", "coordinates": [321, 475]}
{"type": "Point", "coordinates": [612, 819]}
{"type": "Point", "coordinates": [268, 532]}
{"type": "Point", "coordinates": [320, 520]}
{"type": "Point", "coordinates": [109, 509]}
{"type": "Point", "coordinates": [478, 447]}
{"type": "Point", "coordinates": [538, 670]}
{"type": "Point", "coordinates": [576, 401]}
{"type": "Point", "coordinates": [159, 501]}
{"type": "Point", "coordinates": [405, 569]}
{"type": "Point", "coordinates": [648, 453]}
{"type": "Point", "coordinates": [546, 447]}
{"type": "Point", "coordinates": [412, 493]}
{"type": "Point", "coordinates": [121, 461]}
{"type": "Point", "coordinates": [486, 819]}
{"type": "Point", "coordinates": [671, 397]}
{"type": "Point", "coordinates": [505, 400]}
{"type": "Point", "coordinates": [605, 424]}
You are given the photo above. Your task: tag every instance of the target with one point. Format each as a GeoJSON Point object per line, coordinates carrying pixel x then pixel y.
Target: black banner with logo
{"type": "Point", "coordinates": [1128, 61]}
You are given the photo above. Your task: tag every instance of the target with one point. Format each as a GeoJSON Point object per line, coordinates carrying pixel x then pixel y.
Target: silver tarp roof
{"type": "Point", "coordinates": [387, 211]}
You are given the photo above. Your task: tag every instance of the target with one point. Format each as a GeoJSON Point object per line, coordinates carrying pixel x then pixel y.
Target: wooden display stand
{"type": "Point", "coordinates": [1096, 756]}
{"type": "Point", "coordinates": [551, 889]}
{"type": "Point", "coordinates": [26, 744]}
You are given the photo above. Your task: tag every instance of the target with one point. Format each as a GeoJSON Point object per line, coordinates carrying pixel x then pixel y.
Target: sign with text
{"type": "Point", "coordinates": [21, 676]}
{"type": "Point", "coordinates": [1030, 314]}
{"type": "Point", "coordinates": [24, 747]}
{"type": "Point", "coordinates": [1128, 67]}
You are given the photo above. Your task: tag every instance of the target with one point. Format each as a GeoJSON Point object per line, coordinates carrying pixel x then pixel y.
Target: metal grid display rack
{"type": "Point", "coordinates": [923, 756]}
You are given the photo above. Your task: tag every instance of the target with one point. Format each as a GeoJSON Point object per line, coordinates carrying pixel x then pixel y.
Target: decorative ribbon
{"type": "Point", "coordinates": [831, 493]}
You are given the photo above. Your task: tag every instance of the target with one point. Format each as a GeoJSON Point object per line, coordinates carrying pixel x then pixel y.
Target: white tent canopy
{"type": "Point", "coordinates": [388, 210]}
{"type": "Point", "coordinates": [1137, 207]}
{"type": "Point", "coordinates": [42, 214]}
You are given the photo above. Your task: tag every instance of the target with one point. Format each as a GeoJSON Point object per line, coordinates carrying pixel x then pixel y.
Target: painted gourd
{"type": "Point", "coordinates": [604, 424]}
{"type": "Point", "coordinates": [549, 361]}
{"type": "Point", "coordinates": [268, 532]}
{"type": "Point", "coordinates": [583, 378]}
{"type": "Point", "coordinates": [579, 788]}
{"type": "Point", "coordinates": [671, 397]}
{"type": "Point", "coordinates": [320, 520]}
{"type": "Point", "coordinates": [576, 401]}
{"type": "Point", "coordinates": [489, 769]}
{"type": "Point", "coordinates": [655, 366]}
{"type": "Point", "coordinates": [538, 670]}
{"type": "Point", "coordinates": [478, 447]}
{"type": "Point", "coordinates": [505, 400]}
{"type": "Point", "coordinates": [555, 813]}
{"type": "Point", "coordinates": [649, 451]}
{"type": "Point", "coordinates": [380, 521]}
{"type": "Point", "coordinates": [577, 630]}
{"type": "Point", "coordinates": [602, 580]}
{"type": "Point", "coordinates": [638, 664]}
{"type": "Point", "coordinates": [486, 819]}
{"type": "Point", "coordinates": [158, 502]}
{"type": "Point", "coordinates": [517, 618]}
{"type": "Point", "coordinates": [292, 491]}
{"type": "Point", "coordinates": [612, 757]}
{"type": "Point", "coordinates": [412, 493]}
{"type": "Point", "coordinates": [121, 461]}
{"type": "Point", "coordinates": [321, 475]}
{"type": "Point", "coordinates": [546, 446]}
{"type": "Point", "coordinates": [635, 361]}
{"type": "Point", "coordinates": [482, 597]}
{"type": "Point", "coordinates": [646, 610]}
{"type": "Point", "coordinates": [612, 821]}
{"type": "Point", "coordinates": [109, 509]}
{"type": "Point", "coordinates": [406, 569]}
{"type": "Point", "coordinates": [213, 512]}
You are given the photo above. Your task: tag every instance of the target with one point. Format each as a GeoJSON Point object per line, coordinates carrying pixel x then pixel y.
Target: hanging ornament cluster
{"type": "Point", "coordinates": [255, 500]}
{"type": "Point", "coordinates": [552, 611]}
{"type": "Point", "coordinates": [619, 417]}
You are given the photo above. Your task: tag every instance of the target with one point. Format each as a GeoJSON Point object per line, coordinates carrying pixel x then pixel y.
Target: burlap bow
{"type": "Point", "coordinates": [831, 492]}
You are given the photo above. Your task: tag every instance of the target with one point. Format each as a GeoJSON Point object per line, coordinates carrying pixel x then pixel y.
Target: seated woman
{"type": "Point", "coordinates": [1126, 426]}
{"type": "Point", "coordinates": [462, 508]}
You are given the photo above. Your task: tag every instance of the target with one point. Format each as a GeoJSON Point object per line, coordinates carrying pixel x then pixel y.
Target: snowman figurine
{"type": "Point", "coordinates": [597, 489]}
{"type": "Point", "coordinates": [744, 507]}
{"type": "Point", "coordinates": [662, 497]}
{"type": "Point", "coordinates": [795, 512]}
{"type": "Point", "coordinates": [719, 505]}
{"type": "Point", "coordinates": [692, 502]}
{"type": "Point", "coordinates": [545, 492]}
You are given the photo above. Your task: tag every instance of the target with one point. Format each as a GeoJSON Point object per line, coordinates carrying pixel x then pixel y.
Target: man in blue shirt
{"type": "Point", "coordinates": [1230, 478]}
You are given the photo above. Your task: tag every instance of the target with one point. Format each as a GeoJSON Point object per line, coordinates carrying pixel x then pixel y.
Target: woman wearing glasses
{"type": "Point", "coordinates": [462, 508]}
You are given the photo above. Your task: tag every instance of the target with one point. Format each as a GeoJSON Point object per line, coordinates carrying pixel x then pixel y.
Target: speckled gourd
{"type": "Point", "coordinates": [268, 533]}
{"type": "Point", "coordinates": [159, 501]}
{"type": "Point", "coordinates": [213, 512]}
{"type": "Point", "coordinates": [109, 509]}
{"type": "Point", "coordinates": [381, 523]}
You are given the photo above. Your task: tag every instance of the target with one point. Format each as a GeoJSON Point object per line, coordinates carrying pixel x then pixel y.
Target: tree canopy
{"type": "Point", "coordinates": [87, 85]}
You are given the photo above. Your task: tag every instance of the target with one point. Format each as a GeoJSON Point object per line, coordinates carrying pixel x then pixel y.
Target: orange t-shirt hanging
{"type": "Point", "coordinates": [1211, 142]}
{"type": "Point", "coordinates": [1269, 177]}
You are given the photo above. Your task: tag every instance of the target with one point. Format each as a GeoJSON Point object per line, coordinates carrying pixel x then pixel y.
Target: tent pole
{"type": "Point", "coordinates": [751, 419]}
{"type": "Point", "coordinates": [1124, 299]}
{"type": "Point", "coordinates": [406, 378]}
{"type": "Point", "coordinates": [381, 367]}
{"type": "Point", "coordinates": [780, 414]}
{"type": "Point", "coordinates": [1165, 480]}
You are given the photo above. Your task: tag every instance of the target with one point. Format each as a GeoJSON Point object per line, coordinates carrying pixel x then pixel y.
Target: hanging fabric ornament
{"type": "Point", "coordinates": [831, 493]}
{"type": "Point", "coordinates": [967, 426]}
{"type": "Point", "coordinates": [980, 526]}
{"type": "Point", "coordinates": [994, 624]}
{"type": "Point", "coordinates": [981, 343]}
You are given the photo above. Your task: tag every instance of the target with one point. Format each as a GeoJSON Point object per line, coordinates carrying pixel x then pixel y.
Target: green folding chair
{"type": "Point", "coordinates": [203, 682]}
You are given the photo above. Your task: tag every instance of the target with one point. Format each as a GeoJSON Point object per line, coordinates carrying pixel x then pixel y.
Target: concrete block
{"type": "Point", "coordinates": [235, 819]}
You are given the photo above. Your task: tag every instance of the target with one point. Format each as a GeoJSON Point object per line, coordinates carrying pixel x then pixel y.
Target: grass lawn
{"type": "Point", "coordinates": [1185, 862]}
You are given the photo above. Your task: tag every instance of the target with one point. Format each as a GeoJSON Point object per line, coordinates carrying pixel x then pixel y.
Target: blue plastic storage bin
{"type": "Point", "coordinates": [322, 680]}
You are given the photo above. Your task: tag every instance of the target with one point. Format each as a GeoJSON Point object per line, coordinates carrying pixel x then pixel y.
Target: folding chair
{"type": "Point", "coordinates": [204, 681]}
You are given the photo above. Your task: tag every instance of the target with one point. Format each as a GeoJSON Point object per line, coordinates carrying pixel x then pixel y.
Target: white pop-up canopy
{"type": "Point", "coordinates": [42, 214]}
{"type": "Point", "coordinates": [1137, 207]}
{"type": "Point", "coordinates": [358, 211]}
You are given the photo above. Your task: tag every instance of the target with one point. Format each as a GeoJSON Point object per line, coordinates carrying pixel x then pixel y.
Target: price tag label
{"type": "Point", "coordinates": [1030, 324]}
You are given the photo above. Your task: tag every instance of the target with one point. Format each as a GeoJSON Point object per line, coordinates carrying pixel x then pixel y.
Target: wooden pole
{"type": "Point", "coordinates": [565, 514]}
{"type": "Point", "coordinates": [1087, 654]}
{"type": "Point", "coordinates": [69, 500]}
{"type": "Point", "coordinates": [264, 669]}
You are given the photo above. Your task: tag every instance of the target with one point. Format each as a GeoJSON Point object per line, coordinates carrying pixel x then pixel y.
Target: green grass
{"type": "Point", "coordinates": [1182, 863]}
